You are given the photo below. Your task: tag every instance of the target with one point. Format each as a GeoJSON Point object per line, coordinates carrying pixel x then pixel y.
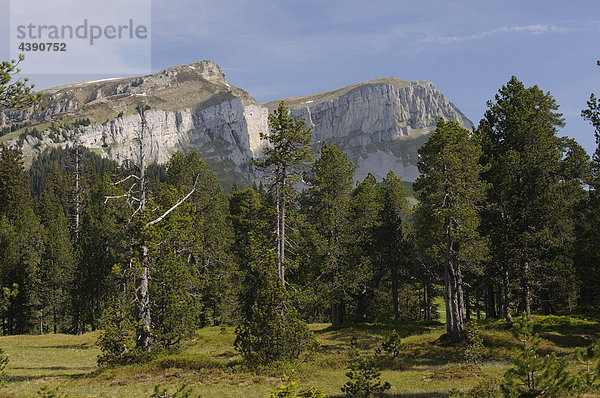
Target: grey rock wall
{"type": "Point", "coordinates": [380, 123]}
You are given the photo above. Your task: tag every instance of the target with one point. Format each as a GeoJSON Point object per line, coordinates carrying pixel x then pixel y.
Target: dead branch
{"type": "Point", "coordinates": [176, 205]}
{"type": "Point", "coordinates": [107, 198]}
{"type": "Point", "coordinates": [126, 178]}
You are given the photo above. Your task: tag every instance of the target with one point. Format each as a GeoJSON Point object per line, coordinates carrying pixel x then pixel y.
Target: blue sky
{"type": "Point", "coordinates": [468, 49]}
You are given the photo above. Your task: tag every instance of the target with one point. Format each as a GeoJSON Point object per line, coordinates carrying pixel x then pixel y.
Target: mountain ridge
{"type": "Point", "coordinates": [379, 122]}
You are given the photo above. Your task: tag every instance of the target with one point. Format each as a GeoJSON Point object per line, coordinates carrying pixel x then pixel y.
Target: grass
{"type": "Point", "coordinates": [315, 99]}
{"type": "Point", "coordinates": [427, 366]}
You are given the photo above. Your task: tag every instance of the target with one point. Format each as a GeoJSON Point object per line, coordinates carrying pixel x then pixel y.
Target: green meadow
{"type": "Point", "coordinates": [209, 364]}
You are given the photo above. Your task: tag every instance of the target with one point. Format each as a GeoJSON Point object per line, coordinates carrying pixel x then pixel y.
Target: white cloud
{"type": "Point", "coordinates": [530, 29]}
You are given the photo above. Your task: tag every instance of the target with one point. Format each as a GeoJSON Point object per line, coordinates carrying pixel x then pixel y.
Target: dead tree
{"type": "Point", "coordinates": [76, 185]}
{"type": "Point", "coordinates": [136, 195]}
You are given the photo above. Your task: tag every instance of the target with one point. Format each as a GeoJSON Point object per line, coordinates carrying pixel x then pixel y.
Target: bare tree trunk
{"type": "Point", "coordinates": [467, 307]}
{"type": "Point", "coordinates": [506, 296]}
{"type": "Point", "coordinates": [143, 305]}
{"type": "Point", "coordinates": [280, 181]}
{"type": "Point", "coordinates": [395, 293]}
{"type": "Point", "coordinates": [78, 322]}
{"type": "Point", "coordinates": [454, 302]}
{"type": "Point", "coordinates": [142, 277]}
{"type": "Point", "coordinates": [278, 227]}
{"type": "Point", "coordinates": [76, 192]}
{"type": "Point", "coordinates": [54, 318]}
{"type": "Point", "coordinates": [282, 256]}
{"type": "Point", "coordinates": [422, 305]}
{"type": "Point", "coordinates": [93, 314]}
{"type": "Point", "coordinates": [490, 301]}
{"type": "Point", "coordinates": [526, 292]}
{"type": "Point", "coordinates": [453, 293]}
{"type": "Point", "coordinates": [361, 306]}
{"type": "Point", "coordinates": [337, 312]}
{"type": "Point", "coordinates": [429, 302]}
{"type": "Point", "coordinates": [478, 306]}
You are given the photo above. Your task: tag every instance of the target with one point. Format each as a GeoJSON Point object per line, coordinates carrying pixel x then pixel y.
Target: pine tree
{"type": "Point", "coordinates": [592, 114]}
{"type": "Point", "coordinates": [172, 246]}
{"type": "Point", "coordinates": [141, 230]}
{"type": "Point", "coordinates": [393, 246]}
{"type": "Point", "coordinates": [588, 231]}
{"type": "Point", "coordinates": [449, 190]}
{"type": "Point", "coordinates": [473, 351]}
{"type": "Point", "coordinates": [534, 375]}
{"type": "Point", "coordinates": [18, 94]}
{"type": "Point", "coordinates": [328, 207]}
{"type": "Point", "coordinates": [365, 377]}
{"type": "Point", "coordinates": [270, 328]}
{"type": "Point", "coordinates": [289, 147]}
{"type": "Point", "coordinates": [293, 389]}
{"type": "Point", "coordinates": [55, 275]}
{"type": "Point", "coordinates": [209, 239]}
{"type": "Point", "coordinates": [102, 244]}
{"type": "Point", "coordinates": [527, 213]}
{"type": "Point", "coordinates": [21, 241]}
{"type": "Point", "coordinates": [250, 220]}
{"type": "Point", "coordinates": [588, 380]}
{"type": "Point", "coordinates": [365, 209]}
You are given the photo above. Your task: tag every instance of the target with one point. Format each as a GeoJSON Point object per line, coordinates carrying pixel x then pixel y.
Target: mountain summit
{"type": "Point", "coordinates": [380, 123]}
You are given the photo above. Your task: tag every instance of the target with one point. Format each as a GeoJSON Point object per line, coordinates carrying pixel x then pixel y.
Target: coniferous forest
{"type": "Point", "coordinates": [501, 226]}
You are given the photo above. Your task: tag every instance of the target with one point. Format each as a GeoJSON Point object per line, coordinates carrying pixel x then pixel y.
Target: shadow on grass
{"type": "Point", "coordinates": [408, 395]}
{"type": "Point", "coordinates": [567, 340]}
{"type": "Point", "coordinates": [43, 368]}
{"type": "Point", "coordinates": [17, 378]}
{"type": "Point", "coordinates": [403, 329]}
{"type": "Point", "coordinates": [83, 346]}
{"type": "Point", "coordinates": [338, 338]}
{"type": "Point", "coordinates": [420, 395]}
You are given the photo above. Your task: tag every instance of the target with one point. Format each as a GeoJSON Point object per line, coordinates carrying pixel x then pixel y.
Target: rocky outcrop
{"type": "Point", "coordinates": [192, 107]}
{"type": "Point", "coordinates": [380, 123]}
{"type": "Point", "coordinates": [377, 122]}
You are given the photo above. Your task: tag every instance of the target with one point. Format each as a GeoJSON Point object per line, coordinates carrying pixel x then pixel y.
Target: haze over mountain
{"type": "Point", "coordinates": [380, 123]}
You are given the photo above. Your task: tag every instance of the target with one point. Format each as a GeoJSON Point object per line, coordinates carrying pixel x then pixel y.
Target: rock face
{"type": "Point", "coordinates": [380, 123]}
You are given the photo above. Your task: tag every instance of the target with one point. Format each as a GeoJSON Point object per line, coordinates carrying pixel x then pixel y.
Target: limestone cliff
{"type": "Point", "coordinates": [380, 123]}
{"type": "Point", "coordinates": [192, 107]}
